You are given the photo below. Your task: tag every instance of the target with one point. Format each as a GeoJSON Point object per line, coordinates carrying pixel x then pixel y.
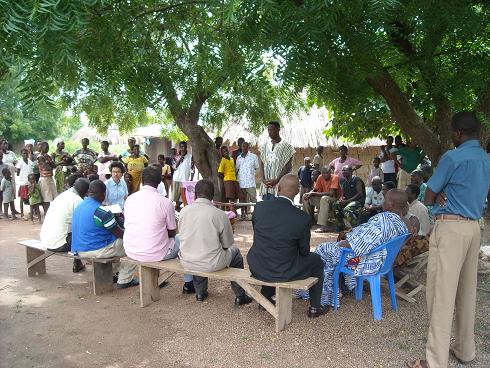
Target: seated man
{"type": "Point", "coordinates": [150, 228]}
{"type": "Point", "coordinates": [418, 209]}
{"type": "Point", "coordinates": [374, 199]}
{"type": "Point", "coordinates": [206, 241]}
{"type": "Point", "coordinates": [96, 233]}
{"type": "Point", "coordinates": [362, 239]}
{"type": "Point", "coordinates": [325, 192]}
{"type": "Point", "coordinates": [56, 230]}
{"type": "Point", "coordinates": [281, 246]}
{"type": "Point", "coordinates": [347, 209]}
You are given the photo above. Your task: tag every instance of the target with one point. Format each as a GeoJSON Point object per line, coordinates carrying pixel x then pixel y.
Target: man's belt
{"type": "Point", "coordinates": [452, 217]}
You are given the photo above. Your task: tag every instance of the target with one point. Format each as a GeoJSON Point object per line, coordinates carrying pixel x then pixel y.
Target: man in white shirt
{"type": "Point", "coordinates": [418, 209]}
{"type": "Point", "coordinates": [246, 165]}
{"type": "Point", "coordinates": [387, 161]}
{"type": "Point", "coordinates": [56, 230]}
{"type": "Point", "coordinates": [182, 172]}
{"type": "Point", "coordinates": [374, 199]}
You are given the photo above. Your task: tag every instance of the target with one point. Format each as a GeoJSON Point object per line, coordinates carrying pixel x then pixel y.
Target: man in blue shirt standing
{"type": "Point", "coordinates": [96, 234]}
{"type": "Point", "coordinates": [457, 190]}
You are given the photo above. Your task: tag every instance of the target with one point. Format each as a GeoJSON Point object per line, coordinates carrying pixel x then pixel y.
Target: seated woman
{"type": "Point", "coordinates": [362, 239]}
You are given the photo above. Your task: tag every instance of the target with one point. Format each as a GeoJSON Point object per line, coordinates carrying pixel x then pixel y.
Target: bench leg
{"type": "Point", "coordinates": [149, 290]}
{"type": "Point", "coordinates": [102, 274]}
{"type": "Point", "coordinates": [35, 267]}
{"type": "Point", "coordinates": [284, 307]}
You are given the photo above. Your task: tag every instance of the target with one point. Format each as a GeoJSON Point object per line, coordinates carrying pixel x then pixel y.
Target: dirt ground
{"type": "Point", "coordinates": [54, 321]}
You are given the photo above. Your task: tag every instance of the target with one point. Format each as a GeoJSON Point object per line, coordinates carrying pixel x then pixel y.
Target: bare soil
{"type": "Point", "coordinates": [53, 320]}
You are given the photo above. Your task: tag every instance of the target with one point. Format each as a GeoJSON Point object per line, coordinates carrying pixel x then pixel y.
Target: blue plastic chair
{"type": "Point", "coordinates": [392, 249]}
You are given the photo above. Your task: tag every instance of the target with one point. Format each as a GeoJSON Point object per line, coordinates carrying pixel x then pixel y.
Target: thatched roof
{"type": "Point", "coordinates": [113, 136]}
{"type": "Point", "coordinates": [303, 131]}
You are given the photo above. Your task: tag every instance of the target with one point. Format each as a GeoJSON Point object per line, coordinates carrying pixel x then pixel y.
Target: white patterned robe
{"type": "Point", "coordinates": [380, 229]}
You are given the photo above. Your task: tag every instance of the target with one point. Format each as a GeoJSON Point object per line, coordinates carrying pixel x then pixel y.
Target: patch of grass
{"type": "Point", "coordinates": [265, 355]}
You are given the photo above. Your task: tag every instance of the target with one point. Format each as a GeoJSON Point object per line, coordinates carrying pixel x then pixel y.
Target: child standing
{"type": "Point", "coordinates": [7, 188]}
{"type": "Point", "coordinates": [34, 197]}
{"type": "Point", "coordinates": [375, 171]}
{"type": "Point", "coordinates": [24, 168]}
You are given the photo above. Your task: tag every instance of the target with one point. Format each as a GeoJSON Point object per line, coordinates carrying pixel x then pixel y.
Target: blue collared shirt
{"type": "Point", "coordinates": [463, 174]}
{"type": "Point", "coordinates": [115, 192]}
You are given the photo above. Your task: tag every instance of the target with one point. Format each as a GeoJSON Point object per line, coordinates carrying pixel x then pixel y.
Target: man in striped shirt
{"type": "Point", "coordinates": [275, 161]}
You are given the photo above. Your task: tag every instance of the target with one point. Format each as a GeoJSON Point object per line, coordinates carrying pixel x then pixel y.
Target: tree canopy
{"type": "Point", "coordinates": [18, 121]}
{"type": "Point", "coordinates": [379, 65]}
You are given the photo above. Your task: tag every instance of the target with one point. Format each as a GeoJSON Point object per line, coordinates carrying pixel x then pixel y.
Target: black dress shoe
{"type": "Point", "coordinates": [78, 265]}
{"type": "Point", "coordinates": [133, 282]}
{"type": "Point", "coordinates": [188, 288]}
{"type": "Point", "coordinates": [202, 297]}
{"type": "Point", "coordinates": [242, 300]}
{"type": "Point", "coordinates": [314, 312]}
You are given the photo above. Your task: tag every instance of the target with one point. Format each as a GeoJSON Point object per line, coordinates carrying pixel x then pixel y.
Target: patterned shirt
{"type": "Point", "coordinates": [45, 164]}
{"type": "Point", "coordinates": [85, 158]}
{"type": "Point", "coordinates": [246, 167]}
{"type": "Point", "coordinates": [274, 158]}
{"type": "Point", "coordinates": [104, 218]}
{"type": "Point", "coordinates": [373, 198]}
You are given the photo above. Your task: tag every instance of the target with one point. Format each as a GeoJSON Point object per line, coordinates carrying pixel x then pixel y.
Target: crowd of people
{"type": "Point", "coordinates": [400, 197]}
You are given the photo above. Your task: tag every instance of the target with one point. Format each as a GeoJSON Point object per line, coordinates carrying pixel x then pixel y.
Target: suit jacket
{"type": "Point", "coordinates": [281, 241]}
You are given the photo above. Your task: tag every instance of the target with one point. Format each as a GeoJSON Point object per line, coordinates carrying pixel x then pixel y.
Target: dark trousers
{"type": "Point", "coordinates": [389, 177]}
{"type": "Point", "coordinates": [77, 263]}
{"type": "Point", "coordinates": [313, 266]}
{"type": "Point", "coordinates": [201, 283]}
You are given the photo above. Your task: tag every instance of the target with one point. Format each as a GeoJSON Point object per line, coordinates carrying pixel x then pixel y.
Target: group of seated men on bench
{"type": "Point", "coordinates": [77, 221]}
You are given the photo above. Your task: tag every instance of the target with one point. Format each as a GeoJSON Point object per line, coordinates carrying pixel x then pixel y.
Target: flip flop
{"type": "Point", "coordinates": [418, 363]}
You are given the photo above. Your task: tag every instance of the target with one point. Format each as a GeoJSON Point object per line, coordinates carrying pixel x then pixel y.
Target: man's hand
{"type": "Point", "coordinates": [273, 183]}
{"type": "Point", "coordinates": [441, 199]}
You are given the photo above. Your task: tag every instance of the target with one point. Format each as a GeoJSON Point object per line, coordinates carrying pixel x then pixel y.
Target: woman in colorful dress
{"type": "Point", "coordinates": [85, 157]}
{"type": "Point", "coordinates": [59, 157]}
{"type": "Point", "coordinates": [135, 165]}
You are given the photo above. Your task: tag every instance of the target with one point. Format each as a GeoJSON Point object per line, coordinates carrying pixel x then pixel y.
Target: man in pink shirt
{"type": "Point", "coordinates": [338, 163]}
{"type": "Point", "coordinates": [149, 221]}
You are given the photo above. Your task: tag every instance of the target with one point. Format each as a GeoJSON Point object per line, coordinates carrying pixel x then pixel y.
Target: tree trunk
{"type": "Point", "coordinates": [204, 152]}
{"type": "Point", "coordinates": [407, 118]}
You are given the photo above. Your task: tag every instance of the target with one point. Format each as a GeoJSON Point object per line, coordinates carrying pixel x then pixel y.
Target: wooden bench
{"type": "Point", "coordinates": [36, 256]}
{"type": "Point", "coordinates": [282, 311]}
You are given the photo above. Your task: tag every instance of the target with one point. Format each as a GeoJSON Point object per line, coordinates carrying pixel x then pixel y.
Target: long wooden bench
{"type": "Point", "coordinates": [36, 256]}
{"type": "Point", "coordinates": [282, 312]}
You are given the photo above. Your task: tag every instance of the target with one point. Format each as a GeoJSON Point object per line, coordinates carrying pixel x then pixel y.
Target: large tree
{"type": "Point", "coordinates": [117, 59]}
{"type": "Point", "coordinates": [376, 63]}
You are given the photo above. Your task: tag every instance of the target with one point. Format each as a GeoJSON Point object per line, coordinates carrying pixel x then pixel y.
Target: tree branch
{"type": "Point", "coordinates": [163, 9]}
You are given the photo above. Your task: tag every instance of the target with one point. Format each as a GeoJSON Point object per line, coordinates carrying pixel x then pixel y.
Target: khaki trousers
{"type": "Point", "coordinates": [451, 282]}
{"type": "Point", "coordinates": [114, 249]}
{"type": "Point", "coordinates": [324, 205]}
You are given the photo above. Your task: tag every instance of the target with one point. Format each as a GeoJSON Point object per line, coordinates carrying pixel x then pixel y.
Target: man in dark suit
{"type": "Point", "coordinates": [281, 247]}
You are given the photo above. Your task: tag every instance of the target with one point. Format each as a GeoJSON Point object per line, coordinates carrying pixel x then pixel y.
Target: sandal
{"type": "Point", "coordinates": [418, 363]}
